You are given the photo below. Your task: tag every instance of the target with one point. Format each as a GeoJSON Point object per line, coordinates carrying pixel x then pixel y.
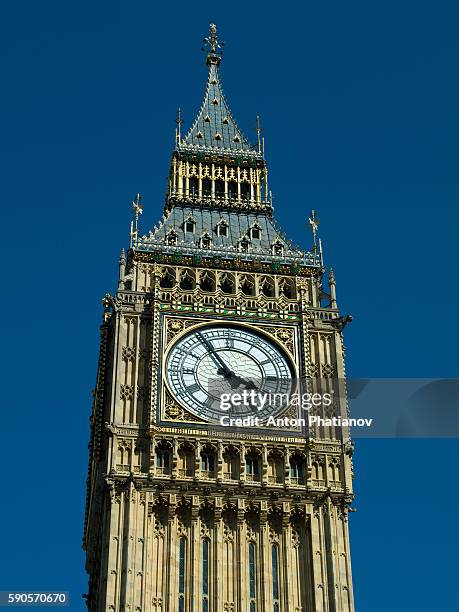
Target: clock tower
{"type": "Point", "coordinates": [194, 505]}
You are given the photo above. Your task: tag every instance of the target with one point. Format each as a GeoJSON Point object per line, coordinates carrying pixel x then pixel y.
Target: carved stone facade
{"type": "Point", "coordinates": [177, 518]}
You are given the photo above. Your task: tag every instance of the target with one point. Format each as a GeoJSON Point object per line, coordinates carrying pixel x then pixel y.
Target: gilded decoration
{"type": "Point", "coordinates": [172, 411]}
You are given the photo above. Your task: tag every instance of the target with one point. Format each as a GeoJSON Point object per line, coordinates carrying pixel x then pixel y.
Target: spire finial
{"type": "Point", "coordinates": [214, 55]}
{"type": "Point", "coordinates": [178, 121]}
{"type": "Point", "coordinates": [137, 210]}
{"type": "Point", "coordinates": [314, 223]}
{"type": "Point", "coordinates": [259, 131]}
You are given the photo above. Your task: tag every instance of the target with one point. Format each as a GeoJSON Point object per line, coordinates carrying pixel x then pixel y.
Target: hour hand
{"type": "Point", "coordinates": [237, 381]}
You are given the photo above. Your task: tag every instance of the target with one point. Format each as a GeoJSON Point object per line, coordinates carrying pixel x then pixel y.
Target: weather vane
{"type": "Point", "coordinates": [137, 210]}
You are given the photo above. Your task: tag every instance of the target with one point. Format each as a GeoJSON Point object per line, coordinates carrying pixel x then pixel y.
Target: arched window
{"type": "Point", "coordinates": [205, 575]}
{"type": "Point", "coordinates": [296, 470]}
{"type": "Point", "coordinates": [187, 281]}
{"type": "Point", "coordinates": [286, 288]}
{"type": "Point", "coordinates": [231, 464]}
{"type": "Point", "coordinates": [185, 461]}
{"type": "Point", "coordinates": [255, 231]}
{"type": "Point", "coordinates": [181, 576]}
{"type": "Point", "coordinates": [275, 568]}
{"type": "Point", "coordinates": [275, 468]}
{"type": "Point", "coordinates": [207, 464]}
{"type": "Point", "coordinates": [207, 282]}
{"type": "Point", "coordinates": [252, 469]}
{"type": "Point", "coordinates": [189, 225]}
{"type": "Point", "coordinates": [252, 578]}
{"type": "Point", "coordinates": [227, 284]}
{"type": "Point", "coordinates": [222, 228]}
{"type": "Point", "coordinates": [266, 286]}
{"type": "Point", "coordinates": [247, 285]}
{"type": "Point", "coordinates": [162, 461]}
{"type": "Point", "coordinates": [167, 279]}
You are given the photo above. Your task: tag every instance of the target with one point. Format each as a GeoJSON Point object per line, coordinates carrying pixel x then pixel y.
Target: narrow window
{"type": "Point", "coordinates": [222, 229]}
{"type": "Point", "coordinates": [162, 461]}
{"type": "Point", "coordinates": [181, 578]}
{"type": "Point", "coordinates": [219, 188]}
{"type": "Point", "coordinates": [207, 462]}
{"type": "Point", "coordinates": [245, 191]}
{"type": "Point", "coordinates": [251, 468]}
{"type": "Point", "coordinates": [206, 187]}
{"type": "Point", "coordinates": [205, 575]}
{"type": "Point", "coordinates": [194, 185]}
{"type": "Point", "coordinates": [232, 189]}
{"type": "Point", "coordinates": [252, 577]}
{"type": "Point", "coordinates": [296, 470]}
{"type": "Point", "coordinates": [275, 566]}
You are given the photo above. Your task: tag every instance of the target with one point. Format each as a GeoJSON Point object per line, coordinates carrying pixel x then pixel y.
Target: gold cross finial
{"type": "Point", "coordinates": [213, 44]}
{"type": "Point", "coordinates": [137, 205]}
{"type": "Point", "coordinates": [213, 40]}
{"type": "Point", "coordinates": [314, 223]}
{"type": "Point", "coordinates": [137, 210]}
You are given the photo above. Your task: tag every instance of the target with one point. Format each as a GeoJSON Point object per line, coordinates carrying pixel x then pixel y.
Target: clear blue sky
{"type": "Point", "coordinates": [359, 104]}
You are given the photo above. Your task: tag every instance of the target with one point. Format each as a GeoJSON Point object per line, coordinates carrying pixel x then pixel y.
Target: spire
{"type": "Point", "coordinates": [214, 127]}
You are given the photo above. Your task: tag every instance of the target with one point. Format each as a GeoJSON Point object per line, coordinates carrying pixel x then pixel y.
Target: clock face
{"type": "Point", "coordinates": [212, 361]}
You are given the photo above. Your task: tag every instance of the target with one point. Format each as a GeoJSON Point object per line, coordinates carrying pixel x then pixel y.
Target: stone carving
{"type": "Point", "coordinates": [174, 412]}
{"type": "Point", "coordinates": [126, 392]}
{"type": "Point", "coordinates": [128, 353]}
{"type": "Point", "coordinates": [175, 327]}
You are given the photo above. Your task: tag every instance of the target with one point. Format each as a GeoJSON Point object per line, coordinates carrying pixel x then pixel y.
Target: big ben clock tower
{"type": "Point", "coordinates": [191, 506]}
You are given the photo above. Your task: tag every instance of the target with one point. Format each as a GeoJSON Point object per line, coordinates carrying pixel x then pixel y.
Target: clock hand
{"type": "Point", "coordinates": [223, 368]}
{"type": "Point", "coordinates": [235, 380]}
{"type": "Point", "coordinates": [238, 380]}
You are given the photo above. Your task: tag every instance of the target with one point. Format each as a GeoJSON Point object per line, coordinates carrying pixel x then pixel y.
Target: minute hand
{"type": "Point", "coordinates": [215, 356]}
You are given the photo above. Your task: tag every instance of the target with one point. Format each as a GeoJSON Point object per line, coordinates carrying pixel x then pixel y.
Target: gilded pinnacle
{"type": "Point", "coordinates": [215, 48]}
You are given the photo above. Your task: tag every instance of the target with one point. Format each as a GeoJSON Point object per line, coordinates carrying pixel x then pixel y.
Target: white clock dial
{"type": "Point", "coordinates": [211, 361]}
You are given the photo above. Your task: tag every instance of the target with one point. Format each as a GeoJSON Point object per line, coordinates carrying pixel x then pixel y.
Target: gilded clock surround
{"type": "Point", "coordinates": [181, 515]}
